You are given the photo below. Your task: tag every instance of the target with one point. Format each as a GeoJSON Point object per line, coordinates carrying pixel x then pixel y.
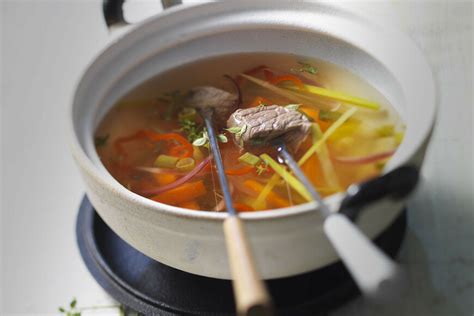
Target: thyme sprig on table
{"type": "Point", "coordinates": [73, 310]}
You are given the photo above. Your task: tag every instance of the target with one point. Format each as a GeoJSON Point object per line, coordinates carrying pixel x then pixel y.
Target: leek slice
{"type": "Point", "coordinates": [260, 201]}
{"type": "Point", "coordinates": [165, 161]}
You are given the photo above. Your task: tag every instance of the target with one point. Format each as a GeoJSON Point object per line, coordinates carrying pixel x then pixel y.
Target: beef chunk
{"type": "Point", "coordinates": [263, 123]}
{"type": "Point", "coordinates": [223, 102]}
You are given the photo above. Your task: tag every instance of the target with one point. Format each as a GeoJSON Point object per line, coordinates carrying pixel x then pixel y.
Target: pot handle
{"type": "Point", "coordinates": [113, 11]}
{"type": "Point", "coordinates": [396, 184]}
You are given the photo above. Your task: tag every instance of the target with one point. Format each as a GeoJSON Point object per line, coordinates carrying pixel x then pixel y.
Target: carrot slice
{"type": "Point", "coordinates": [192, 205]}
{"type": "Point", "coordinates": [241, 207]}
{"type": "Point", "coordinates": [152, 136]}
{"type": "Point", "coordinates": [295, 80]}
{"type": "Point", "coordinates": [314, 115]}
{"type": "Point", "coordinates": [182, 194]}
{"type": "Point", "coordinates": [240, 171]}
{"type": "Point", "coordinates": [164, 178]}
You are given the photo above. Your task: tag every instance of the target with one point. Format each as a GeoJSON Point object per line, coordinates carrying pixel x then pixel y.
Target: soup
{"type": "Point", "coordinates": [155, 144]}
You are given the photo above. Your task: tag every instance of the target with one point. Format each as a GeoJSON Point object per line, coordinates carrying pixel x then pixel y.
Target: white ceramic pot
{"type": "Point", "coordinates": [286, 241]}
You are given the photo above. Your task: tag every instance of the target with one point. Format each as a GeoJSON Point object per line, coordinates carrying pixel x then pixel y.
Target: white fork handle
{"type": "Point", "coordinates": [377, 276]}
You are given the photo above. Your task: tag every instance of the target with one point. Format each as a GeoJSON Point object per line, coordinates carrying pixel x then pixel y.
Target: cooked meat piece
{"type": "Point", "coordinates": [223, 102]}
{"type": "Point", "coordinates": [264, 123]}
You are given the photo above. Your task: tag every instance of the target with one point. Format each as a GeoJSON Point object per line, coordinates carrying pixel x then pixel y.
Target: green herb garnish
{"type": "Point", "coordinates": [203, 140]}
{"type": "Point", "coordinates": [306, 67]}
{"type": "Point", "coordinates": [293, 107]}
{"type": "Point", "coordinates": [262, 167]}
{"type": "Point", "coordinates": [73, 310]}
{"type": "Point", "coordinates": [192, 130]}
{"type": "Point", "coordinates": [101, 141]}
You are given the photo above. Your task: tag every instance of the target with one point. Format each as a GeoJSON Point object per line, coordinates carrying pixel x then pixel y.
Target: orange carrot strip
{"type": "Point", "coordinates": [297, 81]}
{"type": "Point", "coordinates": [179, 151]}
{"type": "Point", "coordinates": [240, 171]}
{"type": "Point", "coordinates": [164, 178]}
{"type": "Point", "coordinates": [272, 198]}
{"type": "Point", "coordinates": [314, 115]}
{"type": "Point", "coordinates": [241, 207]}
{"type": "Point", "coordinates": [192, 205]}
{"type": "Point", "coordinates": [145, 134]}
{"type": "Point", "coordinates": [182, 194]}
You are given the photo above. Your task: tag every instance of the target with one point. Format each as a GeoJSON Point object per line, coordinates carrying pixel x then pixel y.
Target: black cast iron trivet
{"type": "Point", "coordinates": [153, 288]}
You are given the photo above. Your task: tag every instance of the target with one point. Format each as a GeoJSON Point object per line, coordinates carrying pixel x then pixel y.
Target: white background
{"type": "Point", "coordinates": [45, 46]}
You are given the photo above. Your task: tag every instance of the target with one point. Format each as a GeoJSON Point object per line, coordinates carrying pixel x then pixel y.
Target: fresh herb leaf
{"type": "Point", "coordinates": [75, 311]}
{"type": "Point", "coordinates": [200, 142]}
{"type": "Point", "coordinates": [222, 138]}
{"type": "Point", "coordinates": [262, 167]}
{"type": "Point", "coordinates": [101, 141]}
{"type": "Point", "coordinates": [293, 107]}
{"type": "Point", "coordinates": [305, 67]}
{"type": "Point", "coordinates": [234, 129]}
{"type": "Point", "coordinates": [192, 130]}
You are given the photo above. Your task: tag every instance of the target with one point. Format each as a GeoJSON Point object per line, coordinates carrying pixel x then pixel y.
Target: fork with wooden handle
{"type": "Point", "coordinates": [251, 295]}
{"type": "Point", "coordinates": [377, 275]}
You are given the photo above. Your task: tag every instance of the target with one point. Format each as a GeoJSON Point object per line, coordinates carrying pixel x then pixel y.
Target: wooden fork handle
{"type": "Point", "coordinates": [251, 295]}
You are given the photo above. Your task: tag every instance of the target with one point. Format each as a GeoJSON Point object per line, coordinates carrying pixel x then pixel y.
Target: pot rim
{"type": "Point", "coordinates": [333, 201]}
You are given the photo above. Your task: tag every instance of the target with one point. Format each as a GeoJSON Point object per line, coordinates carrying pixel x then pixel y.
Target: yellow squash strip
{"type": "Point", "coordinates": [339, 96]}
{"type": "Point", "coordinates": [290, 95]}
{"type": "Point", "coordinates": [273, 199]}
{"type": "Point", "coordinates": [316, 147]}
{"type": "Point", "coordinates": [291, 180]}
{"type": "Point", "coordinates": [326, 163]}
{"type": "Point", "coordinates": [260, 201]}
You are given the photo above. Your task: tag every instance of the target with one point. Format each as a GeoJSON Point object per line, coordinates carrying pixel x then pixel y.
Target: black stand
{"type": "Point", "coordinates": [153, 288]}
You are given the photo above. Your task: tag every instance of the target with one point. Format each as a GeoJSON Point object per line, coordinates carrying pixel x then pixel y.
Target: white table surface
{"type": "Point", "coordinates": [45, 46]}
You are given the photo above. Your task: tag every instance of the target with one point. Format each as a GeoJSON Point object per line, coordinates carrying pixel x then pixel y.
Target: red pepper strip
{"type": "Point", "coordinates": [297, 81]}
{"type": "Point", "coordinates": [178, 151]}
{"type": "Point", "coordinates": [145, 134]}
{"type": "Point", "coordinates": [364, 160]}
{"type": "Point", "coordinates": [240, 171]}
{"type": "Point", "coordinates": [241, 207]}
